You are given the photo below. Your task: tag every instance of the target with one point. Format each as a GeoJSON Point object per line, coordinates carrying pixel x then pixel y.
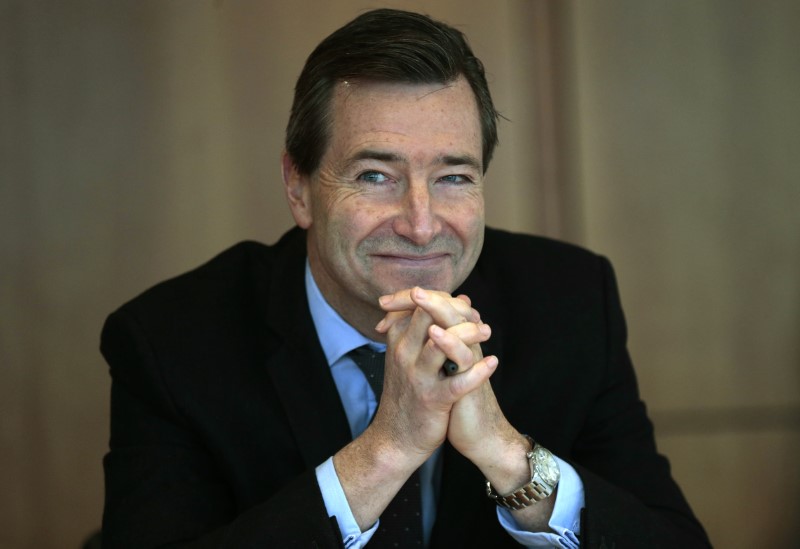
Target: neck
{"type": "Point", "coordinates": [363, 318]}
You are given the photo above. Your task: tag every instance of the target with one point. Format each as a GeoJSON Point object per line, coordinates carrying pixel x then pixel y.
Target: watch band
{"type": "Point", "coordinates": [535, 490]}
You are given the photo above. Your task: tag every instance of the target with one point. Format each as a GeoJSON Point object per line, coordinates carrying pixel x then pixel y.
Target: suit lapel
{"type": "Point", "coordinates": [298, 369]}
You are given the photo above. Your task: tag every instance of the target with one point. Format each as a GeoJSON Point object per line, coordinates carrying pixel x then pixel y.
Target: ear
{"type": "Point", "coordinates": [298, 192]}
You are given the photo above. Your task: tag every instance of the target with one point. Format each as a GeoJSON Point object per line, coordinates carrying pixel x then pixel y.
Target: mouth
{"type": "Point", "coordinates": [398, 271]}
{"type": "Point", "coordinates": [412, 260]}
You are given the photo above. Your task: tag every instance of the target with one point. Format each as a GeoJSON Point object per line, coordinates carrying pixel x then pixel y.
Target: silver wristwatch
{"type": "Point", "coordinates": [544, 479]}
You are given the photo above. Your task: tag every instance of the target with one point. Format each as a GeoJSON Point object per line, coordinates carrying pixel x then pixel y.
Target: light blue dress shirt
{"type": "Point", "coordinates": [339, 338]}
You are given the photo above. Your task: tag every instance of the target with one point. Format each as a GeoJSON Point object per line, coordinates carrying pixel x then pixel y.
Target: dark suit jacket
{"type": "Point", "coordinates": [222, 404]}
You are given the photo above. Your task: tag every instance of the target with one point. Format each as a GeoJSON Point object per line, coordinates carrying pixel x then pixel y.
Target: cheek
{"type": "Point", "coordinates": [331, 211]}
{"type": "Point", "coordinates": [369, 217]}
{"type": "Point", "coordinates": [348, 226]}
{"type": "Point", "coordinates": [363, 215]}
{"type": "Point", "coordinates": [466, 216]}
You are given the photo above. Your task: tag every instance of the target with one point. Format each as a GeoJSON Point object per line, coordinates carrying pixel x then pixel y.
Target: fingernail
{"type": "Point", "coordinates": [385, 299]}
{"type": "Point", "coordinates": [484, 329]}
{"type": "Point", "coordinates": [437, 330]}
{"type": "Point", "coordinates": [491, 362]}
{"type": "Point", "coordinates": [420, 294]}
{"type": "Point", "coordinates": [379, 326]}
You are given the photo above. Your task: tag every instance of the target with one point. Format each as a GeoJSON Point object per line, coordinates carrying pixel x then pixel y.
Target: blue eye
{"type": "Point", "coordinates": [455, 178]}
{"type": "Point", "coordinates": [373, 177]}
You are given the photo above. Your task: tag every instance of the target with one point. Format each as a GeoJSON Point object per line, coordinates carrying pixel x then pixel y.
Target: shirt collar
{"type": "Point", "coordinates": [336, 336]}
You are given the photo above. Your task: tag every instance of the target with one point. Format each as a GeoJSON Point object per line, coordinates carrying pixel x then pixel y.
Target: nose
{"type": "Point", "coordinates": [417, 221]}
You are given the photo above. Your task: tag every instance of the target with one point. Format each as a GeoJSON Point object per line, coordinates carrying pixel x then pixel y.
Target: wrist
{"type": "Point", "coordinates": [368, 462]}
{"type": "Point", "coordinates": [505, 464]}
{"type": "Point", "coordinates": [389, 454]}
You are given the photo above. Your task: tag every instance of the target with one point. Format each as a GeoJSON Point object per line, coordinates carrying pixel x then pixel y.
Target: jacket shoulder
{"type": "Point", "coordinates": [233, 275]}
{"type": "Point", "coordinates": [215, 274]}
{"type": "Point", "coordinates": [525, 259]}
{"type": "Point", "coordinates": [499, 243]}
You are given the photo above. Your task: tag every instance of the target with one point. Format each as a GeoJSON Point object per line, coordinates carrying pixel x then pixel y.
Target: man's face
{"type": "Point", "coordinates": [398, 199]}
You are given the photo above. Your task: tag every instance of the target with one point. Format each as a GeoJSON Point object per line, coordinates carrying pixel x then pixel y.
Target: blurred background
{"type": "Point", "coordinates": [139, 138]}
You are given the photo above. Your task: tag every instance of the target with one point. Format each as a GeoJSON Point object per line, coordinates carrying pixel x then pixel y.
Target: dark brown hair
{"type": "Point", "coordinates": [382, 45]}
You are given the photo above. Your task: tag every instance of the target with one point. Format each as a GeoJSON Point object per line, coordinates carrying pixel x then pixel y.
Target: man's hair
{"type": "Point", "coordinates": [382, 45]}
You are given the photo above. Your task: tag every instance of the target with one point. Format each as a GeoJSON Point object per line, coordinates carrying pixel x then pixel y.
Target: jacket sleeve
{"type": "Point", "coordinates": [631, 498]}
{"type": "Point", "coordinates": [163, 487]}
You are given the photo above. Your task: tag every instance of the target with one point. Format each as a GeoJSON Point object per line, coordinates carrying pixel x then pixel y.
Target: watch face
{"type": "Point", "coordinates": [547, 466]}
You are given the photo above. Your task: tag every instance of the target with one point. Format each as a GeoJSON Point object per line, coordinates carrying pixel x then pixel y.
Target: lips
{"type": "Point", "coordinates": [412, 259]}
{"type": "Point", "coordinates": [404, 257]}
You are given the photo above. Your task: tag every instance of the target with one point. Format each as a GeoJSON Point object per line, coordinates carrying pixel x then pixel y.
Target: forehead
{"type": "Point", "coordinates": [415, 116]}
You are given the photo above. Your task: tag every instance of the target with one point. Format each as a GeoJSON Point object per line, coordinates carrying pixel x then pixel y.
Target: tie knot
{"type": "Point", "coordinates": [371, 363]}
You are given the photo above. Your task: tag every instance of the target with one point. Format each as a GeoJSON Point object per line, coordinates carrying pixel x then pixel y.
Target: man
{"type": "Point", "coordinates": [247, 410]}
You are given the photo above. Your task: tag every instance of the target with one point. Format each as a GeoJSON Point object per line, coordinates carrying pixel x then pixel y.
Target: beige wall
{"type": "Point", "coordinates": [139, 138]}
{"type": "Point", "coordinates": [687, 127]}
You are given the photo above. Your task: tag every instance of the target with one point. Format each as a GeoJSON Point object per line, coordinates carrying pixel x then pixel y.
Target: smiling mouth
{"type": "Point", "coordinates": [418, 260]}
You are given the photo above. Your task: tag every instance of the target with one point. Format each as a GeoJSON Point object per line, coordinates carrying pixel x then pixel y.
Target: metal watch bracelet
{"type": "Point", "coordinates": [541, 485]}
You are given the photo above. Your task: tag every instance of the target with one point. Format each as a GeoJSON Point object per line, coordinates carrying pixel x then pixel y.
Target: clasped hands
{"type": "Point", "coordinates": [420, 406]}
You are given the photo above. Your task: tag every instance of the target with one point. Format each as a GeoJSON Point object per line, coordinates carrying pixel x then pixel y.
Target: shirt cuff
{"type": "Point", "coordinates": [565, 522]}
{"type": "Point", "coordinates": [337, 506]}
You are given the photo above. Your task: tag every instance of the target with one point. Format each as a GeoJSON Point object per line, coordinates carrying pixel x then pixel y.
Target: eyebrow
{"type": "Point", "coordinates": [383, 156]}
{"type": "Point", "coordinates": [445, 159]}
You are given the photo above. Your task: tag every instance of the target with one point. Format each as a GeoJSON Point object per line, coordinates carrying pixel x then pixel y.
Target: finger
{"type": "Point", "coordinates": [395, 316]}
{"type": "Point", "coordinates": [397, 301]}
{"type": "Point", "coordinates": [469, 380]}
{"type": "Point", "coordinates": [446, 311]}
{"type": "Point", "coordinates": [458, 345]}
{"type": "Point", "coordinates": [476, 316]}
{"type": "Point", "coordinates": [468, 332]}
{"type": "Point", "coordinates": [406, 338]}
{"type": "Point", "coordinates": [391, 319]}
{"type": "Point", "coordinates": [405, 300]}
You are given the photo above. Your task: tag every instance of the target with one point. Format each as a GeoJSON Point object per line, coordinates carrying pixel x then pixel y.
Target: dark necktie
{"type": "Point", "coordinates": [401, 521]}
